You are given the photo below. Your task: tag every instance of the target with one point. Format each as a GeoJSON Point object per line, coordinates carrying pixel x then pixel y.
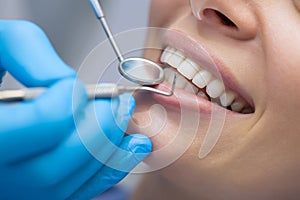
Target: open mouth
{"type": "Point", "coordinates": [196, 80]}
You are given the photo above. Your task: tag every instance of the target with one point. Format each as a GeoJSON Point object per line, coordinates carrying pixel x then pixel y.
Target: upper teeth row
{"type": "Point", "coordinates": [201, 78]}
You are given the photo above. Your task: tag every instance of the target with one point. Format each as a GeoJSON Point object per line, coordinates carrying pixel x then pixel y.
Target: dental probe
{"type": "Point", "coordinates": [109, 90]}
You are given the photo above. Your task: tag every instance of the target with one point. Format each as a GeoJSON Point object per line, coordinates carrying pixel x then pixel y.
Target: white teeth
{"type": "Point", "coordinates": [168, 52]}
{"type": "Point", "coordinates": [176, 59]}
{"type": "Point", "coordinates": [215, 88]}
{"type": "Point", "coordinates": [203, 95]}
{"type": "Point", "coordinates": [216, 101]}
{"type": "Point", "coordinates": [181, 82]}
{"type": "Point", "coordinates": [168, 72]}
{"type": "Point", "coordinates": [191, 71]}
{"type": "Point", "coordinates": [202, 78]}
{"type": "Point", "coordinates": [188, 69]}
{"type": "Point", "coordinates": [227, 98]}
{"type": "Point", "coordinates": [238, 105]}
{"type": "Point", "coordinates": [191, 88]}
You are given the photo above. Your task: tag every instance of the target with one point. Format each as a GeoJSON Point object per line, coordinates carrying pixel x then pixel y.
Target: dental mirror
{"type": "Point", "coordinates": [137, 70]}
{"type": "Point", "coordinates": [141, 71]}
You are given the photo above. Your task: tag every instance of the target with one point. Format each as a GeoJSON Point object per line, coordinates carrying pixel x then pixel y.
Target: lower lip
{"type": "Point", "coordinates": [182, 99]}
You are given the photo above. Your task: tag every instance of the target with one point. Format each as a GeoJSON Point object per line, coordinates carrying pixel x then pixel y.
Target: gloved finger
{"type": "Point", "coordinates": [104, 144]}
{"type": "Point", "coordinates": [68, 159]}
{"type": "Point", "coordinates": [73, 182]}
{"type": "Point", "coordinates": [112, 119]}
{"type": "Point", "coordinates": [39, 125]}
{"type": "Point", "coordinates": [26, 52]}
{"type": "Point", "coordinates": [71, 154]}
{"type": "Point", "coordinates": [133, 150]}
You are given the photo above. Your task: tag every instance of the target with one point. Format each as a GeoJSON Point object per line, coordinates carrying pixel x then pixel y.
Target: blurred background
{"type": "Point", "coordinates": [74, 31]}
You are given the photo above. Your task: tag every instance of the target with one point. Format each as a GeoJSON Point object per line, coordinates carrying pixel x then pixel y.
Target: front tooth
{"type": "Point", "coordinates": [227, 98]}
{"type": "Point", "coordinates": [176, 59]}
{"type": "Point", "coordinates": [168, 52]}
{"type": "Point", "coordinates": [191, 88]}
{"type": "Point", "coordinates": [181, 82]}
{"type": "Point", "coordinates": [202, 78]}
{"type": "Point", "coordinates": [238, 105]}
{"type": "Point", "coordinates": [203, 95]}
{"type": "Point", "coordinates": [215, 88]}
{"type": "Point", "coordinates": [188, 68]}
{"type": "Point", "coordinates": [216, 101]}
{"type": "Point", "coordinates": [167, 74]}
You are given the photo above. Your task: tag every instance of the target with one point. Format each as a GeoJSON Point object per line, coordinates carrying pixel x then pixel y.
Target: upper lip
{"type": "Point", "coordinates": [206, 59]}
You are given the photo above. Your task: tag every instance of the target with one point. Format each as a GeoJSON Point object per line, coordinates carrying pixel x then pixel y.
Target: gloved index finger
{"type": "Point", "coordinates": [34, 127]}
{"type": "Point", "coordinates": [26, 52]}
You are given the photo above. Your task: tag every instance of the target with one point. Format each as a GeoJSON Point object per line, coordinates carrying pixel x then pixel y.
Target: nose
{"type": "Point", "coordinates": [234, 18]}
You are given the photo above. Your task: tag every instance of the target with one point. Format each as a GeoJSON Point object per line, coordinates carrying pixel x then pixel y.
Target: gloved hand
{"type": "Point", "coordinates": [43, 142]}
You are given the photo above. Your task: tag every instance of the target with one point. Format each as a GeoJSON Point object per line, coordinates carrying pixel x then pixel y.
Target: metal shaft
{"type": "Point", "coordinates": [93, 91]}
{"type": "Point", "coordinates": [100, 15]}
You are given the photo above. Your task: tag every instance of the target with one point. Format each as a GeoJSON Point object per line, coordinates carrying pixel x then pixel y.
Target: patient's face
{"type": "Point", "coordinates": [244, 56]}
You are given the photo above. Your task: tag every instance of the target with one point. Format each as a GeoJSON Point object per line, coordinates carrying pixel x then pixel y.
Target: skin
{"type": "Point", "coordinates": [257, 155]}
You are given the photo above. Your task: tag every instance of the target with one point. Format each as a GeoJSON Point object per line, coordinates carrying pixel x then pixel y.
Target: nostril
{"type": "Point", "coordinates": [216, 15]}
{"type": "Point", "coordinates": [225, 20]}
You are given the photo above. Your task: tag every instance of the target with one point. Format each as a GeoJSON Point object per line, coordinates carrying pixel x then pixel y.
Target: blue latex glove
{"type": "Point", "coordinates": [42, 152]}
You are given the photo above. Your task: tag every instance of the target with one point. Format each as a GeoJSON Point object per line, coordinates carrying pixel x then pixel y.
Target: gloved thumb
{"type": "Point", "coordinates": [132, 151]}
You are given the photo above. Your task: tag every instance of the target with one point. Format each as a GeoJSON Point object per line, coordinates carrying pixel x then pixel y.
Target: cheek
{"type": "Point", "coordinates": [283, 70]}
{"type": "Point", "coordinates": [163, 12]}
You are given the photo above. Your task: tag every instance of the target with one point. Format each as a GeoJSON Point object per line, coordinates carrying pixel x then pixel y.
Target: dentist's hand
{"type": "Point", "coordinates": [59, 145]}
